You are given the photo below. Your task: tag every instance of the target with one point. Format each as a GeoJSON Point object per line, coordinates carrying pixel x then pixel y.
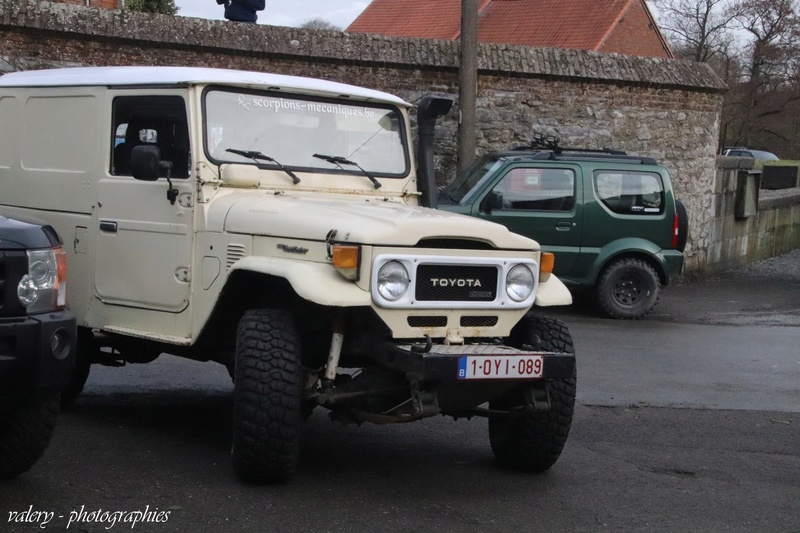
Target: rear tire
{"type": "Point", "coordinates": [533, 441]}
{"type": "Point", "coordinates": [267, 397]}
{"type": "Point", "coordinates": [25, 433]}
{"type": "Point", "coordinates": [628, 288]}
{"type": "Point", "coordinates": [683, 225]}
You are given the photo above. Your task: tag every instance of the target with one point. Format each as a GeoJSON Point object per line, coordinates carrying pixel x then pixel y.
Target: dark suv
{"type": "Point", "coordinates": [37, 341]}
{"type": "Point", "coordinates": [610, 218]}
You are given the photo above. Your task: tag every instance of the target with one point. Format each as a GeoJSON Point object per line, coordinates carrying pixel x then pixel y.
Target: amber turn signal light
{"type": "Point", "coordinates": [346, 260]}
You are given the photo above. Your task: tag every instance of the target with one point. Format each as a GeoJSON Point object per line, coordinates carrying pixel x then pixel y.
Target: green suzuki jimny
{"type": "Point", "coordinates": [610, 218]}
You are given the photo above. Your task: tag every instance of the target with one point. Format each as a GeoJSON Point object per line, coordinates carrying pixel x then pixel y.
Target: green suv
{"type": "Point", "coordinates": [610, 218]}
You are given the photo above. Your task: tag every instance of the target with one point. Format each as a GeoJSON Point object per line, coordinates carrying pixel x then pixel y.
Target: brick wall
{"type": "Point", "coordinates": [102, 4]}
{"type": "Point", "coordinates": [662, 108]}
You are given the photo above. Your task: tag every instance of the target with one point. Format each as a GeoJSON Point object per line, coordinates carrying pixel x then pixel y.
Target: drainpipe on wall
{"type": "Point", "coordinates": [468, 83]}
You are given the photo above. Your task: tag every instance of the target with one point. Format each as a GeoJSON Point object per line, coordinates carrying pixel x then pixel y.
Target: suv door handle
{"type": "Point", "coordinates": [564, 226]}
{"type": "Point", "coordinates": [109, 226]}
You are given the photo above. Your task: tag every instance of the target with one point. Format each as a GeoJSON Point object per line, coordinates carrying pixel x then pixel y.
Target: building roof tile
{"type": "Point", "coordinates": [578, 24]}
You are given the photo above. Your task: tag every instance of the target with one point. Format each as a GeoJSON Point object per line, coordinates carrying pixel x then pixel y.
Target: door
{"type": "Point", "coordinates": [542, 203]}
{"type": "Point", "coordinates": [144, 241]}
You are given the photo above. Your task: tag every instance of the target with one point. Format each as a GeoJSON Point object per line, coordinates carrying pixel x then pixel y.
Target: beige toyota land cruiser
{"type": "Point", "coordinates": [277, 225]}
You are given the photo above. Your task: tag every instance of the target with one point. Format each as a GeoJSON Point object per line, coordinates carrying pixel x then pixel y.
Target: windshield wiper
{"type": "Point", "coordinates": [256, 156]}
{"type": "Point", "coordinates": [339, 161]}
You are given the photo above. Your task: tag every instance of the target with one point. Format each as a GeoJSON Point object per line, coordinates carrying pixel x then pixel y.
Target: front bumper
{"type": "Point", "coordinates": [441, 362]}
{"type": "Point", "coordinates": [28, 364]}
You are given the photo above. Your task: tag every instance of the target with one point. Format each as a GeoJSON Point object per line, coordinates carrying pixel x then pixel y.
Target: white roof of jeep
{"type": "Point", "coordinates": [143, 76]}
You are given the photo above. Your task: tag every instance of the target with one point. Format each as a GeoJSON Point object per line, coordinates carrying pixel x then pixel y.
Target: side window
{"type": "Point", "coordinates": [538, 189]}
{"type": "Point", "coordinates": [630, 193]}
{"type": "Point", "coordinates": [156, 120]}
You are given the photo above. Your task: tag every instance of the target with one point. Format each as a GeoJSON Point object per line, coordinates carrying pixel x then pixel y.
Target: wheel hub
{"type": "Point", "coordinates": [627, 290]}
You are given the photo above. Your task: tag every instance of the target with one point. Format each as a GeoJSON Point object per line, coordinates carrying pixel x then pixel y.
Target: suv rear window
{"type": "Point", "coordinates": [630, 193]}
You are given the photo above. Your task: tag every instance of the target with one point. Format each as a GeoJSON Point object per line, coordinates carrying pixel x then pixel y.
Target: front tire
{"type": "Point", "coordinates": [533, 441]}
{"type": "Point", "coordinates": [267, 397]}
{"type": "Point", "coordinates": [84, 356]}
{"type": "Point", "coordinates": [628, 288]}
{"type": "Point", "coordinates": [25, 433]}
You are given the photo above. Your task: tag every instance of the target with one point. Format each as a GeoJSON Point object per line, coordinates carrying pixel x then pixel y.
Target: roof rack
{"type": "Point", "coordinates": [550, 142]}
{"type": "Point", "coordinates": [540, 141]}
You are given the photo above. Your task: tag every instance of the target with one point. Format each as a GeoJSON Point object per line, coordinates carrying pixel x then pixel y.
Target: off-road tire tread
{"type": "Point", "coordinates": [683, 225]}
{"type": "Point", "coordinates": [84, 354]}
{"type": "Point", "coordinates": [25, 433]}
{"type": "Point", "coordinates": [605, 300]}
{"type": "Point", "coordinates": [267, 397]}
{"type": "Point", "coordinates": [533, 442]}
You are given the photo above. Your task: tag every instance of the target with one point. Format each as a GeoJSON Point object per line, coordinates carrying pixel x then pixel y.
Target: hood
{"type": "Point", "coordinates": [18, 235]}
{"type": "Point", "coordinates": [372, 222]}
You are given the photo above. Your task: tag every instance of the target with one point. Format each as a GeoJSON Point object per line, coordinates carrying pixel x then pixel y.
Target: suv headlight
{"type": "Point", "coordinates": [44, 287]}
{"type": "Point", "coordinates": [393, 280]}
{"type": "Point", "coordinates": [520, 283]}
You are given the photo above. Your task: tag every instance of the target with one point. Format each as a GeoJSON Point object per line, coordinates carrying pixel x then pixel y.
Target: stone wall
{"type": "Point", "coordinates": [738, 237]}
{"type": "Point", "coordinates": [663, 108]}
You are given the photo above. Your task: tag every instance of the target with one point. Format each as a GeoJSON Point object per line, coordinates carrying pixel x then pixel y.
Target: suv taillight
{"type": "Point", "coordinates": [675, 232]}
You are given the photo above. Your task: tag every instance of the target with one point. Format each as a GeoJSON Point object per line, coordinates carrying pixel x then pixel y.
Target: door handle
{"type": "Point", "coordinates": [109, 226]}
{"type": "Point", "coordinates": [564, 226]}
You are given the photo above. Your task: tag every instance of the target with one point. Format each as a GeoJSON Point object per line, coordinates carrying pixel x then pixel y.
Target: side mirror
{"type": "Point", "coordinates": [492, 201]}
{"type": "Point", "coordinates": [145, 162]}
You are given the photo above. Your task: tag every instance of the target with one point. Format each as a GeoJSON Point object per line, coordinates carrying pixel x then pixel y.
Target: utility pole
{"type": "Point", "coordinates": [468, 83]}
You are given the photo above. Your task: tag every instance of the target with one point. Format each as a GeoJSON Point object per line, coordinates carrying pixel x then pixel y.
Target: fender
{"type": "Point", "coordinates": [631, 245]}
{"type": "Point", "coordinates": [552, 292]}
{"type": "Point", "coordinates": [315, 282]}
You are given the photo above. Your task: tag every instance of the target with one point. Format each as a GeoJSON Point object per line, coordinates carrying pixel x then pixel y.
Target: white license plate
{"type": "Point", "coordinates": [500, 366]}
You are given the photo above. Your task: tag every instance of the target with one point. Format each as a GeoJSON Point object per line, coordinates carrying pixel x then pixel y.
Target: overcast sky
{"type": "Point", "coordinates": [294, 12]}
{"type": "Point", "coordinates": [283, 12]}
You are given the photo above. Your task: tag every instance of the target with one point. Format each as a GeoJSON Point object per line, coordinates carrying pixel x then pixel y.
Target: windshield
{"type": "Point", "coordinates": [291, 129]}
{"type": "Point", "coordinates": [760, 154]}
{"type": "Point", "coordinates": [470, 178]}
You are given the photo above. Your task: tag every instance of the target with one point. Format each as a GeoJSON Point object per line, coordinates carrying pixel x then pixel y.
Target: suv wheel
{"type": "Point", "coordinates": [267, 396]}
{"type": "Point", "coordinates": [533, 441]}
{"type": "Point", "coordinates": [25, 433]}
{"type": "Point", "coordinates": [628, 288]}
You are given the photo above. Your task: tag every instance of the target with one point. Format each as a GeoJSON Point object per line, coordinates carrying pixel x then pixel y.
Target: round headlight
{"type": "Point", "coordinates": [519, 283]}
{"type": "Point", "coordinates": [393, 280]}
{"type": "Point", "coordinates": [27, 291]}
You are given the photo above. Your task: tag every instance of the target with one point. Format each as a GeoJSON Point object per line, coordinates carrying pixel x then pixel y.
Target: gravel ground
{"type": "Point", "coordinates": [765, 292]}
{"type": "Point", "coordinates": [784, 267]}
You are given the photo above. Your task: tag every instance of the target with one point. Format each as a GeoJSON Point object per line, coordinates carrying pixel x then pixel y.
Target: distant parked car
{"type": "Point", "coordinates": [753, 154]}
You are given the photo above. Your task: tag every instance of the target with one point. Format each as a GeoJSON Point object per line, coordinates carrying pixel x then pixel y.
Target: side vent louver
{"type": "Point", "coordinates": [235, 252]}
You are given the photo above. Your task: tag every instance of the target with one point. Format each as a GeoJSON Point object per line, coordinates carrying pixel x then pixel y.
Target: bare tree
{"type": "Point", "coordinates": [698, 29]}
{"type": "Point", "coordinates": [319, 23]}
{"type": "Point", "coordinates": [762, 107]}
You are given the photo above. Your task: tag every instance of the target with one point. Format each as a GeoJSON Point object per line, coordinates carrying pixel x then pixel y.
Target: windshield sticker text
{"type": "Point", "coordinates": [279, 104]}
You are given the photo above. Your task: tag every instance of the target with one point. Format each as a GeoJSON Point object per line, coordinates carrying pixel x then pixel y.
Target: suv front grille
{"type": "Point", "coordinates": [449, 282]}
{"type": "Point", "coordinates": [456, 283]}
{"type": "Point", "coordinates": [13, 265]}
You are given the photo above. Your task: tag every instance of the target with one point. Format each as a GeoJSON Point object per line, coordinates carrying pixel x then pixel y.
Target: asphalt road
{"type": "Point", "coordinates": [688, 420]}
